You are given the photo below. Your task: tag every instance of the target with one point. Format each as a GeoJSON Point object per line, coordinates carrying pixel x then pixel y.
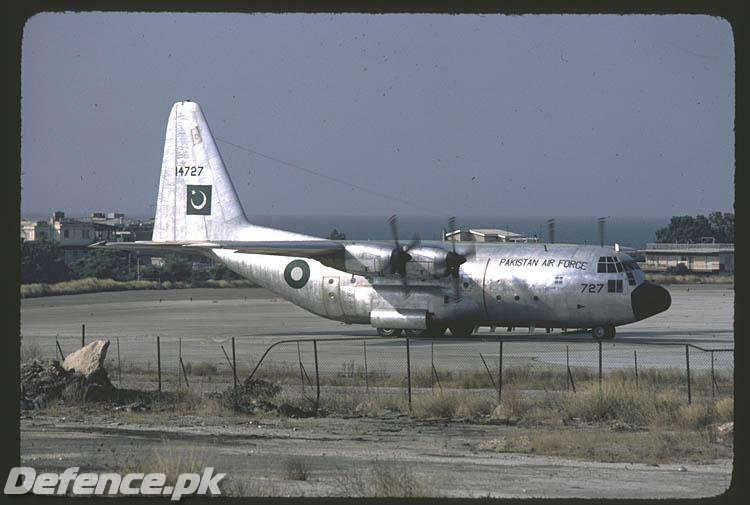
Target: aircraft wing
{"type": "Point", "coordinates": [302, 249]}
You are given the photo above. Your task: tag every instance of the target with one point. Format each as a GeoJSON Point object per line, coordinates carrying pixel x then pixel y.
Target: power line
{"type": "Point", "coordinates": [328, 177]}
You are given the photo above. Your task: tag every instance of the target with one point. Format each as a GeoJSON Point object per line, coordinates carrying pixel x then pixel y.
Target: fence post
{"type": "Point", "coordinates": [179, 360]}
{"type": "Point", "coordinates": [408, 371]}
{"type": "Point", "coordinates": [317, 376]}
{"type": "Point", "coordinates": [713, 377]}
{"type": "Point", "coordinates": [600, 365]}
{"type": "Point", "coordinates": [301, 374]}
{"type": "Point", "coordinates": [432, 365]}
{"type": "Point", "coordinates": [57, 343]}
{"type": "Point", "coordinates": [234, 371]}
{"type": "Point", "coordinates": [158, 361]}
{"type": "Point", "coordinates": [567, 365]}
{"type": "Point", "coordinates": [119, 363]}
{"type": "Point", "coordinates": [492, 380]}
{"type": "Point", "coordinates": [635, 359]}
{"type": "Point", "coordinates": [687, 365]}
{"type": "Point", "coordinates": [364, 346]}
{"type": "Point", "coordinates": [83, 335]}
{"type": "Point", "coordinates": [500, 373]}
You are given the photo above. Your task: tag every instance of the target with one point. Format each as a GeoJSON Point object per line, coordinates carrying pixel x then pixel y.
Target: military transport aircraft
{"type": "Point", "coordinates": [422, 287]}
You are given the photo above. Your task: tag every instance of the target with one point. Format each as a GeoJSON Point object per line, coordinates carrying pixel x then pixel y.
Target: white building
{"type": "Point", "coordinates": [487, 235]}
{"type": "Point", "coordinates": [706, 257]}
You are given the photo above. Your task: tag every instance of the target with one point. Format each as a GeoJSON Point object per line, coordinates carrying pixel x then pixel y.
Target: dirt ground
{"type": "Point", "coordinates": [443, 458]}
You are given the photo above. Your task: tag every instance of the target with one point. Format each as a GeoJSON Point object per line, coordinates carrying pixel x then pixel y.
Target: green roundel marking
{"type": "Point", "coordinates": [297, 273]}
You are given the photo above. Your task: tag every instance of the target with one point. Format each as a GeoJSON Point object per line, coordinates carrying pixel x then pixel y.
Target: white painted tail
{"type": "Point", "coordinates": [197, 201]}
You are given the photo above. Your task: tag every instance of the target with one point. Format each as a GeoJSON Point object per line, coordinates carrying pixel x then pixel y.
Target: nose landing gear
{"type": "Point", "coordinates": [603, 332]}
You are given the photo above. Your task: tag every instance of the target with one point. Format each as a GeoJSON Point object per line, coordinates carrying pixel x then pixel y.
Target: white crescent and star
{"type": "Point", "coordinates": [203, 203]}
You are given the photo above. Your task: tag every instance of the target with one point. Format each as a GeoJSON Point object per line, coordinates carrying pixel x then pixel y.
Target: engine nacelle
{"type": "Point", "coordinates": [405, 319]}
{"type": "Point", "coordinates": [367, 259]}
{"type": "Point", "coordinates": [432, 260]}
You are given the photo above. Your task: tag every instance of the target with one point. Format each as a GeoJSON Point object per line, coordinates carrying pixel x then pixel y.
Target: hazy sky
{"type": "Point", "coordinates": [459, 114]}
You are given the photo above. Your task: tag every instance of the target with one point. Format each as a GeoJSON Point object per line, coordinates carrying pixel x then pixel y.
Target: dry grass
{"type": "Point", "coordinates": [724, 408]}
{"type": "Point", "coordinates": [169, 460]}
{"type": "Point", "coordinates": [295, 469]}
{"type": "Point", "coordinates": [202, 368]}
{"type": "Point", "coordinates": [450, 405]}
{"type": "Point", "coordinates": [601, 444]}
{"type": "Point", "coordinates": [30, 352]}
{"type": "Point", "coordinates": [93, 285]}
{"type": "Point", "coordinates": [388, 480]}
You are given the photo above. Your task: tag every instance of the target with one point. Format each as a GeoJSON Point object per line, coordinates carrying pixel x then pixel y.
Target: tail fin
{"type": "Point", "coordinates": [197, 200]}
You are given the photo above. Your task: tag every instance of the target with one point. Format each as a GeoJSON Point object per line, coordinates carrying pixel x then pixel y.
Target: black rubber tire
{"type": "Point", "coordinates": [433, 331]}
{"type": "Point", "coordinates": [603, 332]}
{"type": "Point", "coordinates": [462, 329]}
{"type": "Point", "coordinates": [389, 332]}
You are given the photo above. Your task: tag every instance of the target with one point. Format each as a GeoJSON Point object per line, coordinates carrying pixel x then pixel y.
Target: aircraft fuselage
{"type": "Point", "coordinates": [515, 284]}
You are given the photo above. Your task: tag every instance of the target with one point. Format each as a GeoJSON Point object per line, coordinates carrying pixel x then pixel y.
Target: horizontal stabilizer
{"type": "Point", "coordinates": [302, 249]}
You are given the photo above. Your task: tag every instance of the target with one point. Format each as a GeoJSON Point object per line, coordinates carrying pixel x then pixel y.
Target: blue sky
{"type": "Point", "coordinates": [452, 114]}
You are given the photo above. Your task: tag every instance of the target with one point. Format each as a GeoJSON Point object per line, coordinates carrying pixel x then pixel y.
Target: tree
{"type": "Point", "coordinates": [336, 235]}
{"type": "Point", "coordinates": [104, 265]}
{"type": "Point", "coordinates": [42, 261]}
{"type": "Point", "coordinates": [684, 229]}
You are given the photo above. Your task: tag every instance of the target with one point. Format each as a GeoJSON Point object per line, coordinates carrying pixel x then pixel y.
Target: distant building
{"type": "Point", "coordinates": [35, 230]}
{"type": "Point", "coordinates": [706, 257]}
{"type": "Point", "coordinates": [75, 235]}
{"type": "Point", "coordinates": [487, 235]}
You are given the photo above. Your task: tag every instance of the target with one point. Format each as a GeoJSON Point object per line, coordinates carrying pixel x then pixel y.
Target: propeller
{"type": "Point", "coordinates": [453, 262]}
{"type": "Point", "coordinates": [400, 254]}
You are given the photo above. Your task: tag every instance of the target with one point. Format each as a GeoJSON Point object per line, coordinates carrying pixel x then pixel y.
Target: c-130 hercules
{"type": "Point", "coordinates": [423, 287]}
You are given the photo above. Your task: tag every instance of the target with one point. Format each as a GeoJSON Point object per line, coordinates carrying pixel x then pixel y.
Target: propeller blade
{"type": "Point", "coordinates": [415, 242]}
{"type": "Point", "coordinates": [452, 227]}
{"type": "Point", "coordinates": [400, 255]}
{"type": "Point", "coordinates": [393, 221]}
{"type": "Point", "coordinates": [456, 288]}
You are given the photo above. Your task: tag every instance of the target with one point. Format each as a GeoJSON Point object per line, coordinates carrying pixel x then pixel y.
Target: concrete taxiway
{"type": "Point", "coordinates": [205, 319]}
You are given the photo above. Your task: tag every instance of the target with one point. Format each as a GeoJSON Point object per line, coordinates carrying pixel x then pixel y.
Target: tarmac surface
{"type": "Point", "coordinates": [200, 321]}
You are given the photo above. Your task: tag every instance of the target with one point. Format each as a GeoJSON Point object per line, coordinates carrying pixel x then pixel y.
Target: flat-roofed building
{"type": "Point", "coordinates": [704, 257]}
{"type": "Point", "coordinates": [487, 235]}
{"type": "Point", "coordinates": [35, 230]}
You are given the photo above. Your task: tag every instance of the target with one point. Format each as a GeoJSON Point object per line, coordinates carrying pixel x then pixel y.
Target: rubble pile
{"type": "Point", "coordinates": [80, 377]}
{"type": "Point", "coordinates": [256, 396]}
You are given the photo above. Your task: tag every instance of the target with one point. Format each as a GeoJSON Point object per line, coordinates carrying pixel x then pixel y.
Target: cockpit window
{"type": "Point", "coordinates": [609, 264]}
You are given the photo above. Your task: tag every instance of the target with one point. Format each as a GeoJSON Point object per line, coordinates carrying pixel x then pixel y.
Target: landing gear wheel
{"type": "Point", "coordinates": [389, 332]}
{"type": "Point", "coordinates": [433, 331]}
{"type": "Point", "coordinates": [603, 332]}
{"type": "Point", "coordinates": [462, 329]}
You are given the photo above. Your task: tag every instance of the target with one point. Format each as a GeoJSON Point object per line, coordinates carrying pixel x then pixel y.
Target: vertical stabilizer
{"type": "Point", "coordinates": [197, 200]}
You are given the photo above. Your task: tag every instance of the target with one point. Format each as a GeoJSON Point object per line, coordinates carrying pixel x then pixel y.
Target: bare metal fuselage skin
{"type": "Point", "coordinates": [198, 211]}
{"type": "Point", "coordinates": [514, 284]}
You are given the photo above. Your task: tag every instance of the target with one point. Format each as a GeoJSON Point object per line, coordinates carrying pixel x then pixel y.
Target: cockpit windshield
{"type": "Point", "coordinates": [613, 264]}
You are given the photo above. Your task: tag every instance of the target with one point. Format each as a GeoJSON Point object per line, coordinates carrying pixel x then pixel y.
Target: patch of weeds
{"type": "Point", "coordinates": [506, 444]}
{"type": "Point", "coordinates": [724, 408]}
{"type": "Point", "coordinates": [30, 352]}
{"type": "Point", "coordinates": [202, 368]}
{"type": "Point", "coordinates": [296, 469]}
{"type": "Point", "coordinates": [395, 481]}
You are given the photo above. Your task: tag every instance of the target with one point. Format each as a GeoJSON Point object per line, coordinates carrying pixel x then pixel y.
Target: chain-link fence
{"type": "Point", "coordinates": [362, 367]}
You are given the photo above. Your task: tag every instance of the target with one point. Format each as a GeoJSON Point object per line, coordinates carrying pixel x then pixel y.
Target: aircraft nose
{"type": "Point", "coordinates": [649, 299]}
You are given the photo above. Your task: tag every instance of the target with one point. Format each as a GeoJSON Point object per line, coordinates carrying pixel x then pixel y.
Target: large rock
{"type": "Point", "coordinates": [88, 358]}
{"type": "Point", "coordinates": [45, 382]}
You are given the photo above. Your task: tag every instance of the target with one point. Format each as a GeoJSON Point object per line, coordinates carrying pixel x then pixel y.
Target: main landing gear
{"type": "Point", "coordinates": [603, 332]}
{"type": "Point", "coordinates": [435, 330]}
{"type": "Point", "coordinates": [389, 332]}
